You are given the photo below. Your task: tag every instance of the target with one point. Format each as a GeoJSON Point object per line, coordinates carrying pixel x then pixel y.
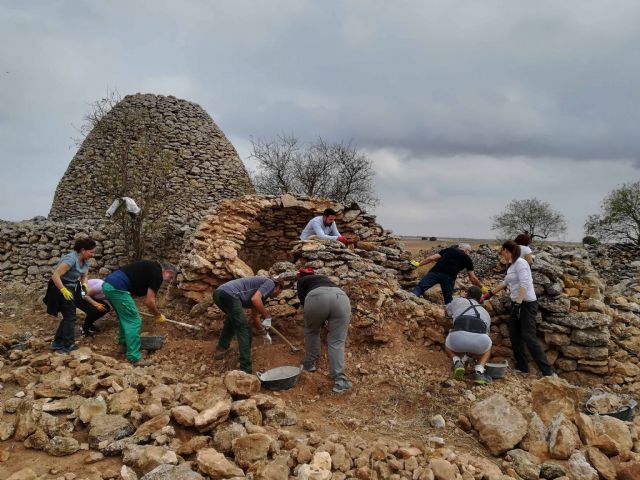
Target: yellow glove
{"type": "Point", "coordinates": [66, 293]}
{"type": "Point", "coordinates": [415, 263]}
{"type": "Point", "coordinates": [484, 290]}
{"type": "Point", "coordinates": [85, 287]}
{"type": "Point", "coordinates": [161, 318]}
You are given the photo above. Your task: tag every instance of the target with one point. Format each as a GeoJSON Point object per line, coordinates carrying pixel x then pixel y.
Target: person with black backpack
{"type": "Point", "coordinates": [469, 335]}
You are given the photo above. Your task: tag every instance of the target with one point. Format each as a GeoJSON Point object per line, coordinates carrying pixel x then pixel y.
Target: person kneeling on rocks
{"type": "Point", "coordinates": [324, 303]}
{"type": "Point", "coordinates": [469, 335]}
{"type": "Point", "coordinates": [232, 298]}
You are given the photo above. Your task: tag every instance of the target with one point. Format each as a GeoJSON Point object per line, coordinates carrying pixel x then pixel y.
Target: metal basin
{"type": "Point", "coordinates": [280, 378]}
{"type": "Point", "coordinates": [496, 370]}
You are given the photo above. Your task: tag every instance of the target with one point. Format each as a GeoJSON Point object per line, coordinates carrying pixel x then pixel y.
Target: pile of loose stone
{"type": "Point", "coordinates": [369, 277]}
{"type": "Point", "coordinates": [170, 425]}
{"type": "Point", "coordinates": [555, 438]}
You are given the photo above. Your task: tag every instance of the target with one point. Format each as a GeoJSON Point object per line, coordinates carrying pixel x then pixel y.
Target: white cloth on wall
{"type": "Point", "coordinates": [128, 202]}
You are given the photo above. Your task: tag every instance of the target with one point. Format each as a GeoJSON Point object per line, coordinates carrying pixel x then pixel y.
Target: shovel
{"type": "Point", "coordinates": [175, 322]}
{"type": "Point", "coordinates": [293, 349]}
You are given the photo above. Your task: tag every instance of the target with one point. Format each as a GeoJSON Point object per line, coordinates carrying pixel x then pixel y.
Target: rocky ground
{"type": "Point", "coordinates": [89, 415]}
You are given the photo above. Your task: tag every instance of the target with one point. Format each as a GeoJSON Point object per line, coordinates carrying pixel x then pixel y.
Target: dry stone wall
{"type": "Point", "coordinates": [30, 250]}
{"type": "Point", "coordinates": [585, 329]}
{"type": "Point", "coordinates": [241, 237]}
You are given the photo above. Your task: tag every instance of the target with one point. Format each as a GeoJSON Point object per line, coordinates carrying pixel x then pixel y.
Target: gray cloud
{"type": "Point", "coordinates": [482, 86]}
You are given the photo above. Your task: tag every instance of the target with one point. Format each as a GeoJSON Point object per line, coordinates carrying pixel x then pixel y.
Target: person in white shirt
{"type": "Point", "coordinates": [323, 227]}
{"type": "Point", "coordinates": [524, 307]}
{"type": "Point", "coordinates": [524, 241]}
{"type": "Point", "coordinates": [469, 335]}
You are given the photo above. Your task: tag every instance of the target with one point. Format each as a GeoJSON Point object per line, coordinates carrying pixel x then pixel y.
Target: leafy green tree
{"type": "Point", "coordinates": [533, 216]}
{"type": "Point", "coordinates": [619, 219]}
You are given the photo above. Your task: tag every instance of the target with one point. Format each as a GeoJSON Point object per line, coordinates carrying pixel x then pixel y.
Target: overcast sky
{"type": "Point", "coordinates": [463, 106]}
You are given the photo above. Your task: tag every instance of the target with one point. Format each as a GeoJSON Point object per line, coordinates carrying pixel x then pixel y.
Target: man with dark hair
{"type": "Point", "coordinates": [232, 297]}
{"type": "Point", "coordinates": [469, 335]}
{"type": "Point", "coordinates": [449, 262]}
{"type": "Point", "coordinates": [137, 279]}
{"type": "Point", "coordinates": [323, 227]}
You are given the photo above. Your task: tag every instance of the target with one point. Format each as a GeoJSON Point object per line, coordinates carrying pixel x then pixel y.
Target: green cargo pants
{"type": "Point", "coordinates": [129, 320]}
{"type": "Point", "coordinates": [236, 323]}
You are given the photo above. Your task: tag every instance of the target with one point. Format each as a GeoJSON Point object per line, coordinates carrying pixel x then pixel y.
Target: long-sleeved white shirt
{"type": "Point", "coordinates": [316, 226]}
{"type": "Point", "coordinates": [519, 276]}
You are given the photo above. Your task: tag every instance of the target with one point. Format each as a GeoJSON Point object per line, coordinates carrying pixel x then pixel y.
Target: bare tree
{"type": "Point", "coordinates": [620, 216]}
{"type": "Point", "coordinates": [136, 165]}
{"type": "Point", "coordinates": [320, 169]}
{"type": "Point", "coordinates": [531, 215]}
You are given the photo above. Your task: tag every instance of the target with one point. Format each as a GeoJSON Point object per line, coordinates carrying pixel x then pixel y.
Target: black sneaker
{"type": "Point", "coordinates": [481, 378]}
{"type": "Point", "coordinates": [69, 348]}
{"type": "Point", "coordinates": [458, 370]}
{"type": "Point", "coordinates": [88, 332]}
{"type": "Point", "coordinates": [309, 368]}
{"type": "Point", "coordinates": [220, 353]}
{"type": "Point", "coordinates": [341, 386]}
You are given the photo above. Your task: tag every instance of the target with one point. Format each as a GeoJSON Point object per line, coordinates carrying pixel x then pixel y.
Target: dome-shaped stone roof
{"type": "Point", "coordinates": [207, 168]}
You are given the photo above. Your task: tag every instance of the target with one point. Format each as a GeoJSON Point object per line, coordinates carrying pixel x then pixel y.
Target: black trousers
{"type": "Point", "coordinates": [65, 334]}
{"type": "Point", "coordinates": [522, 331]}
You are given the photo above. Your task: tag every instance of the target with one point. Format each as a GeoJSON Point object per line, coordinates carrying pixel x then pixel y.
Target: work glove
{"type": "Point", "coordinates": [342, 239]}
{"type": "Point", "coordinates": [266, 323]}
{"type": "Point", "coordinates": [161, 318]}
{"type": "Point", "coordinates": [484, 290]}
{"type": "Point", "coordinates": [100, 307]}
{"type": "Point", "coordinates": [66, 293]}
{"type": "Point", "coordinates": [515, 310]}
{"type": "Point", "coordinates": [486, 296]}
{"type": "Point", "coordinates": [414, 263]}
{"type": "Point", "coordinates": [85, 288]}
{"type": "Point", "coordinates": [267, 338]}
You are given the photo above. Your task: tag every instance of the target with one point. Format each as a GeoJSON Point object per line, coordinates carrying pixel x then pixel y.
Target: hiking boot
{"type": "Point", "coordinates": [142, 363]}
{"type": "Point", "coordinates": [481, 378]}
{"type": "Point", "coordinates": [458, 370]}
{"type": "Point", "coordinates": [341, 386]}
{"type": "Point", "coordinates": [309, 368]}
{"type": "Point", "coordinates": [122, 348]}
{"type": "Point", "coordinates": [56, 346]}
{"type": "Point", "coordinates": [221, 352]}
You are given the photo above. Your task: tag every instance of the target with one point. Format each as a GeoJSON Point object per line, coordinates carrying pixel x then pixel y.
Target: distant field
{"type": "Point", "coordinates": [414, 245]}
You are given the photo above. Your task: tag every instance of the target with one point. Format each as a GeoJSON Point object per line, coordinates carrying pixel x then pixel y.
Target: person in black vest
{"type": "Point", "coordinates": [449, 262]}
{"type": "Point", "coordinates": [324, 304]}
{"type": "Point", "coordinates": [469, 335]}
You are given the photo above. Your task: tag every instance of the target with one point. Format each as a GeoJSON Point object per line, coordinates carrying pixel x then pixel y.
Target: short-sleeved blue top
{"type": "Point", "coordinates": [71, 277]}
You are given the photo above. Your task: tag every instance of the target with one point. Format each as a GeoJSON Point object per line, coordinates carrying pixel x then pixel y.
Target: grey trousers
{"type": "Point", "coordinates": [331, 305]}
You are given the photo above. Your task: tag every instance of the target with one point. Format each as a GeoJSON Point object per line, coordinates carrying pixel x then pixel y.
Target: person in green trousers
{"type": "Point", "coordinates": [137, 279]}
{"type": "Point", "coordinates": [232, 298]}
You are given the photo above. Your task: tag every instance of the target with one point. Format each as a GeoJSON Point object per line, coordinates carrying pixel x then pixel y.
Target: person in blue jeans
{"type": "Point", "coordinates": [449, 262]}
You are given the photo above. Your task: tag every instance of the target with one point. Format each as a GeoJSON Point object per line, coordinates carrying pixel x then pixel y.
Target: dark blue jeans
{"type": "Point", "coordinates": [446, 282]}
